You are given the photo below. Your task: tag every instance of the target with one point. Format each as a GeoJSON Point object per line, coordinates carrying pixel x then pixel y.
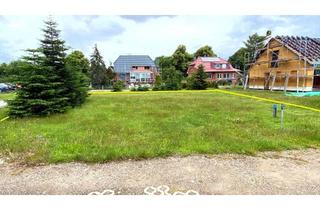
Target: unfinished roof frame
{"type": "Point", "coordinates": [301, 71]}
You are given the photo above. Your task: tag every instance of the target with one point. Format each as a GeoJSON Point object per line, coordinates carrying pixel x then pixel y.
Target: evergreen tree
{"type": "Point", "coordinates": [3, 72]}
{"type": "Point", "coordinates": [171, 78]}
{"type": "Point", "coordinates": [54, 53]}
{"type": "Point", "coordinates": [246, 54]}
{"type": "Point", "coordinates": [47, 85]}
{"type": "Point", "coordinates": [254, 43]}
{"type": "Point", "coordinates": [110, 76]}
{"type": "Point", "coordinates": [197, 81]}
{"type": "Point", "coordinates": [98, 69]}
{"type": "Point", "coordinates": [36, 95]}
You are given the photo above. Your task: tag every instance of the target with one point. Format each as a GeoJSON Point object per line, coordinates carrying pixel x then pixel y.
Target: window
{"type": "Point", "coordinates": [122, 76]}
{"type": "Point", "coordinates": [215, 65]}
{"type": "Point", "coordinates": [147, 67]}
{"type": "Point", "coordinates": [219, 75]}
{"type": "Point", "coordinates": [209, 75]}
{"type": "Point", "coordinates": [275, 57]}
{"type": "Point", "coordinates": [223, 66]}
{"type": "Point", "coordinates": [227, 76]}
{"type": "Point", "coordinates": [135, 67]}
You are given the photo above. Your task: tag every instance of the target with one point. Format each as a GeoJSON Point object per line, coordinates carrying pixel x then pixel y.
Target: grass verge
{"type": "Point", "coordinates": [155, 124]}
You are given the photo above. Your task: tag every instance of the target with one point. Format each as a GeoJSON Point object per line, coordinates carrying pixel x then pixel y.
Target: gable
{"type": "Point", "coordinates": [305, 47]}
{"type": "Point", "coordinates": [124, 63]}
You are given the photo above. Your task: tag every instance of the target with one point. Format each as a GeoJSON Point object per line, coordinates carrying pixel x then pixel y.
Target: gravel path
{"type": "Point", "coordinates": [289, 172]}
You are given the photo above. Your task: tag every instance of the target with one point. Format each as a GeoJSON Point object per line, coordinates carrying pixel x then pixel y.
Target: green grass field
{"type": "Point", "coordinates": [153, 124]}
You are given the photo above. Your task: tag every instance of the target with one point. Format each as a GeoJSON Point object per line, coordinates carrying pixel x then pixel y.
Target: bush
{"type": "Point", "coordinates": [140, 88]}
{"type": "Point", "coordinates": [184, 84]}
{"type": "Point", "coordinates": [117, 86]}
{"type": "Point", "coordinates": [224, 82]}
{"type": "Point", "coordinates": [159, 87]}
{"type": "Point", "coordinates": [213, 84]}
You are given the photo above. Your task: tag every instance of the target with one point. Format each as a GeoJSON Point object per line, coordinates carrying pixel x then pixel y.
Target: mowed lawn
{"type": "Point", "coordinates": [154, 124]}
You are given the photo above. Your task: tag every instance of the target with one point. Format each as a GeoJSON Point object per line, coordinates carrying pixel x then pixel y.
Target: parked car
{"type": "Point", "coordinates": [4, 87]}
{"type": "Point", "coordinates": [11, 86]}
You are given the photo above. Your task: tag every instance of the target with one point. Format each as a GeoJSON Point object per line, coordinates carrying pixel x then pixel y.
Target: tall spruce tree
{"type": "Point", "coordinates": [36, 95]}
{"type": "Point", "coordinates": [197, 81]}
{"type": "Point", "coordinates": [54, 53]}
{"type": "Point", "coordinates": [47, 86]}
{"type": "Point", "coordinates": [98, 69]}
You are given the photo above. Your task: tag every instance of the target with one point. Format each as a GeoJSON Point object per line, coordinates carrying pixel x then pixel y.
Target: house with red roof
{"type": "Point", "coordinates": [216, 69]}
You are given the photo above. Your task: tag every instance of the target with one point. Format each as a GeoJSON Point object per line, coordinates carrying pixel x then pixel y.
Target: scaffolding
{"type": "Point", "coordinates": [272, 75]}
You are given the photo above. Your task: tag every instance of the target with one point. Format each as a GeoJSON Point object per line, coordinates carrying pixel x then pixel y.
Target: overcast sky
{"type": "Point", "coordinates": [149, 35]}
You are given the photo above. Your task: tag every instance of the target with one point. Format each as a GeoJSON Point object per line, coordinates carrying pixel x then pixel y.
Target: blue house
{"type": "Point", "coordinates": [135, 69]}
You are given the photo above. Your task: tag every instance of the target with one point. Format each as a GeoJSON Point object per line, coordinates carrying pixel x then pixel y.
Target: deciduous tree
{"type": "Point", "coordinates": [181, 59]}
{"type": "Point", "coordinates": [205, 51]}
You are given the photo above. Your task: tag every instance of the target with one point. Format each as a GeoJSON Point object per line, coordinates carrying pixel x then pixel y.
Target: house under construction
{"type": "Point", "coordinates": [286, 63]}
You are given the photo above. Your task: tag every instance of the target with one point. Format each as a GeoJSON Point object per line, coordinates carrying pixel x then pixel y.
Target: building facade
{"type": "Point", "coordinates": [135, 69]}
{"type": "Point", "coordinates": [286, 63]}
{"type": "Point", "coordinates": [215, 68]}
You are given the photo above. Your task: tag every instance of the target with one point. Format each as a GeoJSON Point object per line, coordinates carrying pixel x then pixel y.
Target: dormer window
{"type": "Point", "coordinates": [219, 65]}
{"type": "Point", "coordinates": [216, 65]}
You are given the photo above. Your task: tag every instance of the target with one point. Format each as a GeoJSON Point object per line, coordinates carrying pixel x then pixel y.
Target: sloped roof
{"type": "Point", "coordinates": [210, 59]}
{"type": "Point", "coordinates": [124, 63]}
{"type": "Point", "coordinates": [206, 62]}
{"type": "Point", "coordinates": [307, 47]}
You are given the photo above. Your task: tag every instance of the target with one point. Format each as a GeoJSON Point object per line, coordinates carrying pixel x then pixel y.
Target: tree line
{"type": "Point", "coordinates": [174, 68]}
{"type": "Point", "coordinates": [52, 81]}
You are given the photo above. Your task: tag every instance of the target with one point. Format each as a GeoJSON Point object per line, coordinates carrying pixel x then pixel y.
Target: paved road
{"type": "Point", "coordinates": [289, 172]}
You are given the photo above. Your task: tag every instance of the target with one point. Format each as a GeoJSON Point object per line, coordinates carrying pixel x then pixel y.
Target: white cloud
{"type": "Point", "coordinates": [162, 35]}
{"type": "Point", "coordinates": [154, 36]}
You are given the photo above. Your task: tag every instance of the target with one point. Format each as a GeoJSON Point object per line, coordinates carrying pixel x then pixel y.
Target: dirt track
{"type": "Point", "coordinates": [289, 172]}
